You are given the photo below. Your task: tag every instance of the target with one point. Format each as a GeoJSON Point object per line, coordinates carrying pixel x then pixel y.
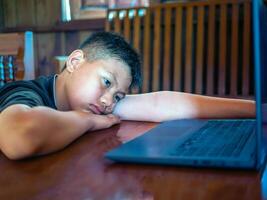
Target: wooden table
{"type": "Point", "coordinates": [81, 172]}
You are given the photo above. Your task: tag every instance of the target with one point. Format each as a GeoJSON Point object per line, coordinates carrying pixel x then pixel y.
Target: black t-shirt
{"type": "Point", "coordinates": [38, 92]}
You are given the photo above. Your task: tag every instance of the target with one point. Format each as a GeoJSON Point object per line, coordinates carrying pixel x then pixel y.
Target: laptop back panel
{"type": "Point", "coordinates": [260, 64]}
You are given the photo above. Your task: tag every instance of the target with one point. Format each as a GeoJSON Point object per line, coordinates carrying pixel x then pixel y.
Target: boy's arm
{"type": "Point", "coordinates": [26, 131]}
{"type": "Point", "coordinates": [167, 105]}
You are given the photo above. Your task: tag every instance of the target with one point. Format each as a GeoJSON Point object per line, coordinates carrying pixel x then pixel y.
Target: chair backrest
{"type": "Point", "coordinates": [201, 47]}
{"type": "Point", "coordinates": [16, 57]}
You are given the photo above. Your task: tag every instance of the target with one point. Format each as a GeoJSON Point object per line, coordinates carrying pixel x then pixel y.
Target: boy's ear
{"type": "Point", "coordinates": [74, 60]}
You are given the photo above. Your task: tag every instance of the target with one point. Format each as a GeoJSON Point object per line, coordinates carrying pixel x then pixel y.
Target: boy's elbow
{"type": "Point", "coordinates": [17, 151]}
{"type": "Point", "coordinates": [15, 139]}
{"type": "Point", "coordinates": [18, 145]}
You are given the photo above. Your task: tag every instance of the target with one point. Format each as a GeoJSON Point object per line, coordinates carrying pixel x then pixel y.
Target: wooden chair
{"type": "Point", "coordinates": [16, 57]}
{"type": "Point", "coordinates": [201, 47]}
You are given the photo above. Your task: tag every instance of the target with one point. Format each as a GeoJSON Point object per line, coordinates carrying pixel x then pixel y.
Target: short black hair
{"type": "Point", "coordinates": [105, 45]}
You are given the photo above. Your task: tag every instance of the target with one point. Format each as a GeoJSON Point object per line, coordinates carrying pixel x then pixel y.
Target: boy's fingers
{"type": "Point", "coordinates": [114, 118]}
{"type": "Point", "coordinates": [104, 121]}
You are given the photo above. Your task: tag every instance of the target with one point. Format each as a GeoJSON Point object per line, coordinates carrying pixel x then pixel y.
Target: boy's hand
{"type": "Point", "coordinates": [102, 121]}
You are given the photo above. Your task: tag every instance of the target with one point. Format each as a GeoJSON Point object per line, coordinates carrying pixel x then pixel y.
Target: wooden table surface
{"type": "Point", "coordinates": [81, 172]}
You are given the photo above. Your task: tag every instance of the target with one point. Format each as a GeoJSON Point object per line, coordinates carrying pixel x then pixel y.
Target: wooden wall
{"type": "Point", "coordinates": [30, 13]}
{"type": "Point", "coordinates": [53, 44]}
{"type": "Point", "coordinates": [1, 15]}
{"type": "Point", "coordinates": [201, 47]}
{"type": "Point", "coordinates": [51, 37]}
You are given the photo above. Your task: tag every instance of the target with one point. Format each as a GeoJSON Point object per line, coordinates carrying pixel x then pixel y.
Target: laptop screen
{"type": "Point", "coordinates": [263, 35]}
{"type": "Point", "coordinates": [263, 68]}
{"type": "Point", "coordinates": [260, 65]}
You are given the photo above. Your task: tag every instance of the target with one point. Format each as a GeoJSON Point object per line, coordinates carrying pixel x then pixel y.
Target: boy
{"type": "Point", "coordinates": [45, 115]}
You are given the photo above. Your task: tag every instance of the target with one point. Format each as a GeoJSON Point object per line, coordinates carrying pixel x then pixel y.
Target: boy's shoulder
{"type": "Point", "coordinates": [43, 87]}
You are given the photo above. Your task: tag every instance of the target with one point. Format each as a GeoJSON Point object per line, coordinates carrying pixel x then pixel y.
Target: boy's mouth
{"type": "Point", "coordinates": [95, 109]}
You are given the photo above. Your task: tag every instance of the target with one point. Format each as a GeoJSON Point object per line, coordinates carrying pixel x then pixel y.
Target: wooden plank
{"type": "Point", "coordinates": [183, 3]}
{"type": "Point", "coordinates": [45, 52]}
{"type": "Point", "coordinates": [36, 55]}
{"type": "Point", "coordinates": [108, 22]}
{"type": "Point", "coordinates": [43, 8]}
{"type": "Point", "coordinates": [83, 35]}
{"type": "Point", "coordinates": [188, 50]}
{"type": "Point", "coordinates": [246, 49]}
{"type": "Point", "coordinates": [11, 43]}
{"type": "Point", "coordinates": [10, 14]}
{"type": "Point", "coordinates": [199, 56]}
{"type": "Point", "coordinates": [136, 39]}
{"type": "Point", "coordinates": [26, 13]}
{"type": "Point", "coordinates": [136, 31]}
{"type": "Point", "coordinates": [234, 48]}
{"type": "Point", "coordinates": [72, 41]}
{"type": "Point", "coordinates": [210, 59]}
{"type": "Point", "coordinates": [167, 47]}
{"type": "Point", "coordinates": [177, 49]}
{"type": "Point", "coordinates": [59, 51]}
{"type": "Point", "coordinates": [156, 50]}
{"type": "Point", "coordinates": [117, 23]}
{"type": "Point", "coordinates": [222, 51]}
{"type": "Point", "coordinates": [146, 59]}
{"type": "Point", "coordinates": [199, 3]}
{"type": "Point", "coordinates": [63, 43]}
{"type": "Point", "coordinates": [2, 17]}
{"type": "Point", "coordinates": [108, 25]}
{"type": "Point", "coordinates": [127, 26]}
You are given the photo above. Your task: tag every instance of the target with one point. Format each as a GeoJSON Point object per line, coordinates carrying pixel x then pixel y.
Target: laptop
{"type": "Point", "coordinates": [233, 143]}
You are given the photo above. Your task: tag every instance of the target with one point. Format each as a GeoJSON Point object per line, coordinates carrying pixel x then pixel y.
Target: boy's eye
{"type": "Point", "coordinates": [117, 98]}
{"type": "Point", "coordinates": [107, 82]}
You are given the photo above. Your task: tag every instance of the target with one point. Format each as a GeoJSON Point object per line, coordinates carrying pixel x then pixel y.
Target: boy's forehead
{"type": "Point", "coordinates": [117, 67]}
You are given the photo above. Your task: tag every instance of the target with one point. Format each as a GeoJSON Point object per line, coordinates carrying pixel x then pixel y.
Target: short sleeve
{"type": "Point", "coordinates": [26, 97]}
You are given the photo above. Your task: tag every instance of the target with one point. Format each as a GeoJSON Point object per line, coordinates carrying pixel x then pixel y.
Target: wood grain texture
{"type": "Point", "coordinates": [10, 13]}
{"type": "Point", "coordinates": [147, 52]}
{"type": "Point", "coordinates": [177, 48]}
{"type": "Point", "coordinates": [47, 12]}
{"type": "Point", "coordinates": [167, 50]}
{"type": "Point", "coordinates": [210, 56]}
{"type": "Point", "coordinates": [127, 27]}
{"type": "Point", "coordinates": [26, 13]}
{"type": "Point", "coordinates": [188, 49]}
{"type": "Point", "coordinates": [222, 51]}
{"type": "Point", "coordinates": [136, 32]}
{"type": "Point", "coordinates": [2, 16]}
{"type": "Point", "coordinates": [156, 50]}
{"type": "Point", "coordinates": [45, 53]}
{"type": "Point", "coordinates": [117, 23]}
{"type": "Point", "coordinates": [234, 51]}
{"type": "Point", "coordinates": [200, 47]}
{"type": "Point", "coordinates": [246, 75]}
{"type": "Point", "coordinates": [199, 42]}
{"type": "Point", "coordinates": [80, 171]}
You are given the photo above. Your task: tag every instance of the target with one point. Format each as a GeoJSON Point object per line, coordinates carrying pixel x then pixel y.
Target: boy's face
{"type": "Point", "coordinates": [96, 86]}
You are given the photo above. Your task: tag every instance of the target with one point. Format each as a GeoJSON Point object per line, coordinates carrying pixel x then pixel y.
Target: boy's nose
{"type": "Point", "coordinates": [107, 102]}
